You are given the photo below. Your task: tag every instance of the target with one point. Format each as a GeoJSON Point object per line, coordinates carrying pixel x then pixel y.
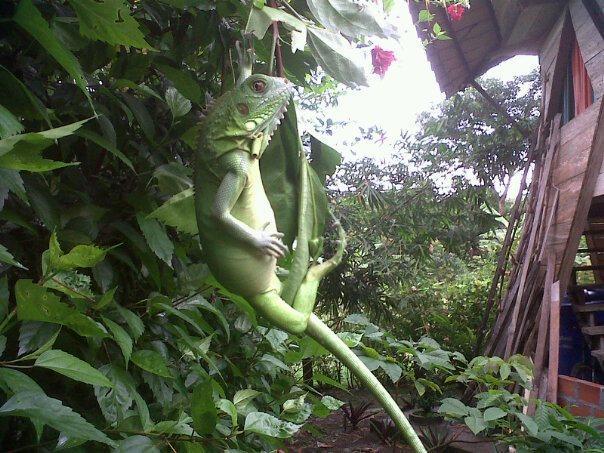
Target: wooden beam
{"type": "Point", "coordinates": [543, 329]}
{"type": "Point", "coordinates": [554, 343]}
{"type": "Point", "coordinates": [594, 164]}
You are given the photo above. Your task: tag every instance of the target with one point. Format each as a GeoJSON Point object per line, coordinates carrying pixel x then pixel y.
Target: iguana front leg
{"type": "Point", "coordinates": [237, 166]}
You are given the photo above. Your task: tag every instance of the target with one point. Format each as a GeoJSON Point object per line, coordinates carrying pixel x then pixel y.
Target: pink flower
{"type": "Point", "coordinates": [381, 60]}
{"type": "Point", "coordinates": [455, 11]}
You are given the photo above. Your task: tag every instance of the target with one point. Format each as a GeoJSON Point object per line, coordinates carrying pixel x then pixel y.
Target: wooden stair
{"type": "Point", "coordinates": [587, 312]}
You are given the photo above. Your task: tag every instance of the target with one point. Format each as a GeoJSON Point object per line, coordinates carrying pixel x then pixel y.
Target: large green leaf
{"type": "Point", "coordinates": [79, 256]}
{"type": "Point", "coordinates": [8, 258]}
{"type": "Point", "coordinates": [178, 212]}
{"type": "Point", "coordinates": [11, 180]}
{"type": "Point", "coordinates": [183, 82]}
{"type": "Point", "coordinates": [19, 99]}
{"type": "Point", "coordinates": [324, 160]}
{"type": "Point", "coordinates": [115, 401]}
{"type": "Point", "coordinates": [156, 237]}
{"type": "Point", "coordinates": [50, 411]}
{"type": "Point", "coordinates": [151, 361]}
{"type": "Point", "coordinates": [109, 21]}
{"type": "Point", "coordinates": [28, 157]}
{"type": "Point", "coordinates": [105, 144]}
{"type": "Point", "coordinates": [261, 18]}
{"type": "Point", "coordinates": [203, 409]}
{"type": "Point", "coordinates": [35, 303]}
{"type": "Point", "coordinates": [72, 367]}
{"type": "Point", "coordinates": [269, 425]}
{"type": "Point", "coordinates": [30, 19]}
{"type": "Point", "coordinates": [39, 140]}
{"type": "Point", "coordinates": [9, 124]}
{"type": "Point", "coordinates": [351, 18]}
{"type": "Point", "coordinates": [121, 337]}
{"type": "Point", "coordinates": [280, 169]}
{"type": "Point", "coordinates": [178, 104]}
{"type": "Point", "coordinates": [336, 56]}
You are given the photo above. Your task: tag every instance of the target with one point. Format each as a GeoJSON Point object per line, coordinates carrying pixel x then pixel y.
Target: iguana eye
{"type": "Point", "coordinates": [258, 86]}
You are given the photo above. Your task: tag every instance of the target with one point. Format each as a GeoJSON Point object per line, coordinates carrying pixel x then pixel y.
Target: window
{"type": "Point", "coordinates": [577, 92]}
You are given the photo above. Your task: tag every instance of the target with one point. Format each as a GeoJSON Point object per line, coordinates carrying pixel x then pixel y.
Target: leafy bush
{"type": "Point", "coordinates": [500, 413]}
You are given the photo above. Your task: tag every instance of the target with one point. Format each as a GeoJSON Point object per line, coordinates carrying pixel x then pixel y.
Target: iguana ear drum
{"type": "Point", "coordinates": [243, 109]}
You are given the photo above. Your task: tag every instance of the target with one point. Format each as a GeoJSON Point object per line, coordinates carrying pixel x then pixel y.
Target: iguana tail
{"type": "Point", "coordinates": [330, 341]}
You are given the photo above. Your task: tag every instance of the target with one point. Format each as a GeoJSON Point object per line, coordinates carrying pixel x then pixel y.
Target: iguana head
{"type": "Point", "coordinates": [247, 116]}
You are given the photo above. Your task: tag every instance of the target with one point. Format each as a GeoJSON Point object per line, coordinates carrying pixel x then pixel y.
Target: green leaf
{"type": "Point", "coordinates": [121, 337]}
{"type": "Point", "coordinates": [39, 140]}
{"type": "Point", "coordinates": [109, 21]}
{"type": "Point", "coordinates": [136, 444]}
{"type": "Point", "coordinates": [51, 412]}
{"type": "Point", "coordinates": [151, 361]}
{"type": "Point", "coordinates": [475, 423]}
{"type": "Point", "coordinates": [105, 144]}
{"type": "Point", "coordinates": [425, 16]}
{"type": "Point", "coordinates": [178, 212]}
{"type": "Point", "coordinates": [156, 237]}
{"type": "Point", "coordinates": [178, 104]}
{"type": "Point", "coordinates": [453, 407]}
{"type": "Point", "coordinates": [260, 19]}
{"type": "Point", "coordinates": [4, 296]}
{"type": "Point", "coordinates": [203, 409]}
{"type": "Point", "coordinates": [530, 424]}
{"type": "Point", "coordinates": [81, 256]}
{"type": "Point", "coordinates": [243, 397]}
{"type": "Point", "coordinates": [42, 340]}
{"type": "Point", "coordinates": [9, 124]}
{"type": "Point", "coordinates": [8, 258]}
{"type": "Point", "coordinates": [19, 100]}
{"type": "Point", "coordinates": [72, 367]}
{"type": "Point", "coordinates": [11, 180]}
{"type": "Point", "coordinates": [357, 318]}
{"type": "Point", "coordinates": [198, 301]}
{"type": "Point", "coordinates": [105, 299]}
{"type": "Point", "coordinates": [184, 83]}
{"type": "Point", "coordinates": [228, 408]}
{"type": "Point", "coordinates": [134, 322]}
{"type": "Point", "coordinates": [27, 156]}
{"type": "Point", "coordinates": [393, 371]}
{"type": "Point", "coordinates": [35, 303]}
{"type": "Point", "coordinates": [336, 56]}
{"type": "Point", "coordinates": [493, 413]}
{"type": "Point", "coordinates": [142, 115]}
{"type": "Point", "coordinates": [115, 401]}
{"type": "Point", "coordinates": [324, 159]}
{"type": "Point", "coordinates": [268, 425]}
{"type": "Point", "coordinates": [350, 18]}
{"type": "Point", "coordinates": [30, 19]}
{"type": "Point", "coordinates": [17, 382]}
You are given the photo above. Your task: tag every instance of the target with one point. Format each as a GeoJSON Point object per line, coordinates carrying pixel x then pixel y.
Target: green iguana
{"type": "Point", "coordinates": [237, 227]}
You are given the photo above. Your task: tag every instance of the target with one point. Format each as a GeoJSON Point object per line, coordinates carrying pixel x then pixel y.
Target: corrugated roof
{"type": "Point", "coordinates": [487, 34]}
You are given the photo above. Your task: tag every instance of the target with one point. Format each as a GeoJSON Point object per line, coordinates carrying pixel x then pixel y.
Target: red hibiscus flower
{"type": "Point", "coordinates": [381, 60]}
{"type": "Point", "coordinates": [455, 11]}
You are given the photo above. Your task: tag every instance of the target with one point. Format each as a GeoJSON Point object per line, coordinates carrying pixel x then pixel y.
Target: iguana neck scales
{"type": "Point", "coordinates": [237, 227]}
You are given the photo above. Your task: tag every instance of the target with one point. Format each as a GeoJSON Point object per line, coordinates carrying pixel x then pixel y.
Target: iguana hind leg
{"type": "Point", "coordinates": [294, 319]}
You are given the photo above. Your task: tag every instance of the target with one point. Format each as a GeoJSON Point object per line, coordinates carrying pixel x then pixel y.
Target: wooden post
{"type": "Point", "coordinates": [543, 330]}
{"type": "Point", "coordinates": [554, 343]}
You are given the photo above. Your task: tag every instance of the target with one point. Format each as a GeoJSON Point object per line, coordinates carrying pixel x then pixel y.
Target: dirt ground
{"type": "Point", "coordinates": [330, 435]}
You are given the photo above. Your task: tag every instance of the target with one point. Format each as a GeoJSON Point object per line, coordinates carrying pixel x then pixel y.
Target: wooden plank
{"type": "Point", "coordinates": [550, 220]}
{"type": "Point", "coordinates": [554, 343]}
{"type": "Point", "coordinates": [539, 207]}
{"type": "Point", "coordinates": [589, 38]}
{"type": "Point", "coordinates": [596, 157]}
{"type": "Point", "coordinates": [569, 197]}
{"type": "Point", "coordinates": [595, 69]}
{"type": "Point", "coordinates": [554, 72]}
{"type": "Point", "coordinates": [543, 329]}
{"type": "Point", "coordinates": [591, 44]}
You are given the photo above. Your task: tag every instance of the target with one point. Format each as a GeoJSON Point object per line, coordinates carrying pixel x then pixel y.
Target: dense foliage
{"type": "Point", "coordinates": [110, 328]}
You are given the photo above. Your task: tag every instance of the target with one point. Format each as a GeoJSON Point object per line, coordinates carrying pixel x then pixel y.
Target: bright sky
{"type": "Point", "coordinates": [408, 88]}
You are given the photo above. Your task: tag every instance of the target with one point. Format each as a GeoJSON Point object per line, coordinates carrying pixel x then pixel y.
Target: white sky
{"type": "Point", "coordinates": [408, 88]}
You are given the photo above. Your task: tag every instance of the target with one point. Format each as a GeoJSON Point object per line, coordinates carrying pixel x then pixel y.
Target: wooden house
{"type": "Point", "coordinates": [547, 294]}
